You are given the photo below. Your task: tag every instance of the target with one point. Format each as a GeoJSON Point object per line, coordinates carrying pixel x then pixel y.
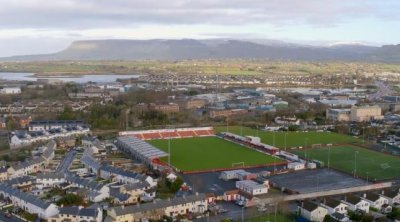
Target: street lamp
{"type": "Point", "coordinates": [329, 157]}
{"type": "Point", "coordinates": [355, 163]}
{"type": "Point", "coordinates": [364, 134]}
{"type": "Point", "coordinates": [243, 214]}
{"type": "Point", "coordinates": [305, 148]}
{"type": "Point", "coordinates": [285, 140]}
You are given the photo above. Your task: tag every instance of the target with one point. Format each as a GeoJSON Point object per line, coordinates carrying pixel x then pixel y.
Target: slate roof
{"type": "Point", "coordinates": [125, 173]}
{"type": "Point", "coordinates": [309, 206]}
{"type": "Point", "coordinates": [29, 198]}
{"type": "Point", "coordinates": [19, 180]}
{"type": "Point", "coordinates": [90, 161]}
{"type": "Point", "coordinates": [353, 199]}
{"type": "Point", "coordinates": [50, 175]}
{"type": "Point", "coordinates": [136, 186]}
{"type": "Point", "coordinates": [332, 202]}
{"type": "Point", "coordinates": [86, 183]}
{"type": "Point", "coordinates": [391, 193]}
{"type": "Point", "coordinates": [372, 197]}
{"type": "Point", "coordinates": [159, 204]}
{"type": "Point", "coordinates": [74, 210]}
{"type": "Point", "coordinates": [56, 122]}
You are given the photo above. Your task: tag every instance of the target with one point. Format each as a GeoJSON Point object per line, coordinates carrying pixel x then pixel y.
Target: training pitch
{"type": "Point", "coordinates": [368, 163]}
{"type": "Point", "coordinates": [293, 139]}
{"type": "Point", "coordinates": [211, 153]}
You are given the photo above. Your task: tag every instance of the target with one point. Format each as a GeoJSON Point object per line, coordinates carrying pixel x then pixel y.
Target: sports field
{"type": "Point", "coordinates": [207, 153]}
{"type": "Point", "coordinates": [293, 139]}
{"type": "Point", "coordinates": [369, 163]}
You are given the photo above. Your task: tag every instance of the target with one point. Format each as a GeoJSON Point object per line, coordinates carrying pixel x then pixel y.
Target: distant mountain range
{"type": "Point", "coordinates": [214, 49]}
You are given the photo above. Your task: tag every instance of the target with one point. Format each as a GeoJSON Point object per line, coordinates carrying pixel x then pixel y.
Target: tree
{"type": "Point", "coordinates": [176, 185]}
{"type": "Point", "coordinates": [67, 114]}
{"type": "Point", "coordinates": [293, 127]}
{"type": "Point", "coordinates": [70, 200]}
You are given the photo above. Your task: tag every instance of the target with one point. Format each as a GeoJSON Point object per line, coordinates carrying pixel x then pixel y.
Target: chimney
{"type": "Point", "coordinates": [365, 195]}
{"type": "Point", "coordinates": [383, 192]}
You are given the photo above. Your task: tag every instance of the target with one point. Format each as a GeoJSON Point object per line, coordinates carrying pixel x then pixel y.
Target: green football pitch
{"type": "Point", "coordinates": [368, 163]}
{"type": "Point", "coordinates": [293, 139]}
{"type": "Point", "coordinates": [208, 153]}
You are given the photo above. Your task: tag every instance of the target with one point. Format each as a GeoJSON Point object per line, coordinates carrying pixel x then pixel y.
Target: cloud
{"type": "Point", "coordinates": [83, 14]}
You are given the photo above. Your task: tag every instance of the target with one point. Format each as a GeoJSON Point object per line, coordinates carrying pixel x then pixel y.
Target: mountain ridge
{"type": "Point", "coordinates": [184, 49]}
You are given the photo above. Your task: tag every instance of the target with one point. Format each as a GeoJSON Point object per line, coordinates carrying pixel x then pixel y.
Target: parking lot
{"type": "Point", "coordinates": [210, 182]}
{"type": "Point", "coordinates": [307, 181]}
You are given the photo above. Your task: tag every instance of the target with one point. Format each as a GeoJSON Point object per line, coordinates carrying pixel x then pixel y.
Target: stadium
{"type": "Point", "coordinates": [195, 150]}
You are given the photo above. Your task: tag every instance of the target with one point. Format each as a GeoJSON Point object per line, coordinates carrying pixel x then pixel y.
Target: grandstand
{"type": "Point", "coordinates": [249, 141]}
{"type": "Point", "coordinates": [140, 149]}
{"type": "Point", "coordinates": [170, 133]}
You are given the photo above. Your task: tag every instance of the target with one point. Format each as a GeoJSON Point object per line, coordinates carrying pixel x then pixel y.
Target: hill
{"type": "Point", "coordinates": [184, 49]}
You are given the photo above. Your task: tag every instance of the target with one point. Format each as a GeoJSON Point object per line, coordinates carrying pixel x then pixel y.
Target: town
{"type": "Point", "coordinates": [138, 149]}
{"type": "Point", "coordinates": [199, 111]}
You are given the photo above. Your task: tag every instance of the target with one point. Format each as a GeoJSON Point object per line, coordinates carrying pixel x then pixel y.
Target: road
{"type": "Point", "coordinates": [383, 90]}
{"type": "Point", "coordinates": [3, 218]}
{"type": "Point", "coordinates": [66, 162]}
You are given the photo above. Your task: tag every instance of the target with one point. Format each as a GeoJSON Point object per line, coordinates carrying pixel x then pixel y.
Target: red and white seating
{"type": "Point", "coordinates": [170, 133]}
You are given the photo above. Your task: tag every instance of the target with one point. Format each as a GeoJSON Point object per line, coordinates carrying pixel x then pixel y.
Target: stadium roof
{"type": "Point", "coordinates": [140, 147]}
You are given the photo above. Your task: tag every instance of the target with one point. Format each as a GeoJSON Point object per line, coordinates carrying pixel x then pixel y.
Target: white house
{"type": "Point", "coordinates": [231, 174]}
{"type": "Point", "coordinates": [96, 191]}
{"type": "Point", "coordinates": [334, 206]}
{"type": "Point", "coordinates": [171, 177]}
{"type": "Point", "coordinates": [10, 90]}
{"type": "Point", "coordinates": [26, 167]}
{"type": "Point", "coordinates": [375, 200]}
{"type": "Point", "coordinates": [296, 166]}
{"type": "Point", "coordinates": [252, 187]}
{"type": "Point", "coordinates": [78, 214]}
{"type": "Point", "coordinates": [29, 202]}
{"type": "Point", "coordinates": [393, 196]}
{"type": "Point", "coordinates": [44, 180]}
{"type": "Point", "coordinates": [313, 212]}
{"type": "Point", "coordinates": [192, 204]}
{"type": "Point", "coordinates": [355, 203]}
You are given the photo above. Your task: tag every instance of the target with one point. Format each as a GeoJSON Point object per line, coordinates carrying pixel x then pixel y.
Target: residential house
{"type": "Point", "coordinates": [313, 212]}
{"type": "Point", "coordinates": [3, 123]}
{"type": "Point", "coordinates": [375, 200]}
{"type": "Point", "coordinates": [393, 196]}
{"type": "Point", "coordinates": [334, 206]}
{"type": "Point", "coordinates": [78, 214]}
{"type": "Point", "coordinates": [250, 191]}
{"type": "Point", "coordinates": [3, 174]}
{"type": "Point", "coordinates": [96, 192]}
{"type": "Point", "coordinates": [137, 192]}
{"type": "Point", "coordinates": [193, 204]}
{"type": "Point", "coordinates": [29, 202]}
{"type": "Point", "coordinates": [356, 203]}
{"type": "Point", "coordinates": [44, 180]}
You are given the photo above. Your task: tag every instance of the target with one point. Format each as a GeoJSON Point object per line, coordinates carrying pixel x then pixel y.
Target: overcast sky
{"type": "Point", "coordinates": [43, 26]}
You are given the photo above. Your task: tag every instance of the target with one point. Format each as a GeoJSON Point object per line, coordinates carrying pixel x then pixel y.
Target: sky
{"type": "Point", "coordinates": [46, 26]}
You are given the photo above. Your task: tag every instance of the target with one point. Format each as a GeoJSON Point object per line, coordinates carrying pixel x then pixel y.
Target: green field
{"type": "Point", "coordinates": [206, 153]}
{"type": "Point", "coordinates": [293, 139]}
{"type": "Point", "coordinates": [373, 164]}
